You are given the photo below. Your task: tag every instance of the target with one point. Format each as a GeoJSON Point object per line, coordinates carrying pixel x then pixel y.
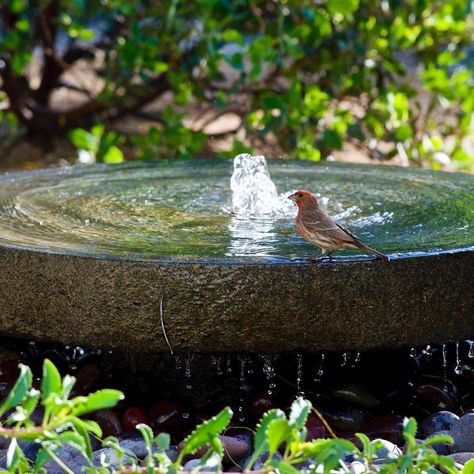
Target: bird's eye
{"type": "Point", "coordinates": [300, 195]}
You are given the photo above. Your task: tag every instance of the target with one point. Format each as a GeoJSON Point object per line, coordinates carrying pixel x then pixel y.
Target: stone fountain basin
{"type": "Point", "coordinates": [233, 304]}
{"type": "Point", "coordinates": [254, 306]}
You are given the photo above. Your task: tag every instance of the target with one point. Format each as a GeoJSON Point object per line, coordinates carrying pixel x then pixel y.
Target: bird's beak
{"type": "Point", "coordinates": [292, 197]}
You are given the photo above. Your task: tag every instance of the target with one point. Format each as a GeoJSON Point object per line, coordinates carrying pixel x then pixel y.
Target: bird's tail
{"type": "Point", "coordinates": [362, 246]}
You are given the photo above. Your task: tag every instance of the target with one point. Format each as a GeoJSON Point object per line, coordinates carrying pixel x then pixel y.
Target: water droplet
{"type": "Point", "coordinates": [428, 351]}
{"type": "Point", "coordinates": [217, 363]}
{"type": "Point", "coordinates": [444, 355]}
{"type": "Point", "coordinates": [299, 375]}
{"type": "Point", "coordinates": [187, 372]}
{"type": "Point", "coordinates": [320, 371]}
{"type": "Point", "coordinates": [458, 367]}
{"type": "Point", "coordinates": [242, 386]}
{"type": "Point", "coordinates": [470, 354]}
{"type": "Point", "coordinates": [269, 371]}
{"type": "Point", "coordinates": [356, 360]}
{"type": "Point", "coordinates": [413, 353]}
{"type": "Point", "coordinates": [228, 364]}
{"type": "Point", "coordinates": [178, 362]}
{"type": "Point", "coordinates": [345, 359]}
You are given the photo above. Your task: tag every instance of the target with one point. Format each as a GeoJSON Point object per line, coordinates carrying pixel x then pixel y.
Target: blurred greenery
{"type": "Point", "coordinates": [390, 78]}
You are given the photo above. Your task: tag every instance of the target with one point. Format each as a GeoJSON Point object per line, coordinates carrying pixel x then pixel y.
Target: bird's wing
{"type": "Point", "coordinates": [318, 221]}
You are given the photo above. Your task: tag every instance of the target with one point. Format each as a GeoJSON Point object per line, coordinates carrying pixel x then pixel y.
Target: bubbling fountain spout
{"type": "Point", "coordinates": [253, 191]}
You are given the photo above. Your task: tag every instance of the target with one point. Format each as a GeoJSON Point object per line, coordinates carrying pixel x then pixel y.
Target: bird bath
{"type": "Point", "coordinates": [89, 253]}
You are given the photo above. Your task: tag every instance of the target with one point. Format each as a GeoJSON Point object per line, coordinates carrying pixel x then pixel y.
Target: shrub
{"type": "Point", "coordinates": [306, 76]}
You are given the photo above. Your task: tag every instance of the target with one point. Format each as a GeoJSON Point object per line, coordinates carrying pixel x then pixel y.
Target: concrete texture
{"type": "Point", "coordinates": [246, 306]}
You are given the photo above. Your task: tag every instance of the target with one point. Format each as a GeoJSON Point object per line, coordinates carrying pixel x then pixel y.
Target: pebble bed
{"type": "Point", "coordinates": [356, 392]}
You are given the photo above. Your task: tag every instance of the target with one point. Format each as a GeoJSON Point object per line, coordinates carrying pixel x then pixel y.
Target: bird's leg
{"type": "Point", "coordinates": [328, 255]}
{"type": "Point", "coordinates": [317, 257]}
{"type": "Point", "coordinates": [324, 253]}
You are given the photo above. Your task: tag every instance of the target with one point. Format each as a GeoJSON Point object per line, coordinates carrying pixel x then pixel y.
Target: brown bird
{"type": "Point", "coordinates": [315, 226]}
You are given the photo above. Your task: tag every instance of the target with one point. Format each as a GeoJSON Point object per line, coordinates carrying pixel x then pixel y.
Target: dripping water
{"type": "Point", "coordinates": [269, 372]}
{"type": "Point", "coordinates": [458, 366]}
{"type": "Point", "coordinates": [178, 362]}
{"type": "Point", "coordinates": [345, 359]}
{"type": "Point", "coordinates": [444, 354]}
{"type": "Point", "coordinates": [216, 361]}
{"type": "Point", "coordinates": [470, 354]}
{"type": "Point", "coordinates": [356, 360]}
{"type": "Point", "coordinates": [299, 375]}
{"type": "Point", "coordinates": [242, 388]}
{"type": "Point", "coordinates": [320, 371]}
{"type": "Point", "coordinates": [187, 372]}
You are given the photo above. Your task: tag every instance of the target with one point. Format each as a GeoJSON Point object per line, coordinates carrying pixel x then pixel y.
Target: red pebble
{"type": "Point", "coordinates": [133, 416]}
{"type": "Point", "coordinates": [315, 427]}
{"type": "Point", "coordinates": [165, 415]}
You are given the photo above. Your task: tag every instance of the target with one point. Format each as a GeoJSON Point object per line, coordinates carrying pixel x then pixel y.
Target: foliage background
{"type": "Point", "coordinates": [389, 79]}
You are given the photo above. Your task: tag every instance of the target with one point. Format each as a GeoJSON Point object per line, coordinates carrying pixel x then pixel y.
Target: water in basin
{"type": "Point", "coordinates": [190, 209]}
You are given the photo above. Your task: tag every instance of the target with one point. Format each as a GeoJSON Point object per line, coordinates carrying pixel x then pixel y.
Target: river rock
{"type": "Point", "coordinates": [462, 458]}
{"type": "Point", "coordinates": [357, 467]}
{"type": "Point", "coordinates": [110, 455]}
{"type": "Point", "coordinates": [348, 421]}
{"type": "Point", "coordinates": [235, 448]}
{"type": "Point", "coordinates": [66, 454]}
{"type": "Point", "coordinates": [384, 427]}
{"type": "Point", "coordinates": [262, 459]}
{"type": "Point", "coordinates": [109, 422]}
{"type": "Point", "coordinates": [462, 432]}
{"type": "Point", "coordinates": [437, 393]}
{"type": "Point", "coordinates": [315, 428]}
{"type": "Point", "coordinates": [387, 449]}
{"type": "Point", "coordinates": [440, 421]}
{"type": "Point", "coordinates": [165, 415]}
{"type": "Point", "coordinates": [133, 416]}
{"type": "Point", "coordinates": [194, 463]}
{"type": "Point", "coordinates": [136, 445]}
{"type": "Point", "coordinates": [356, 395]}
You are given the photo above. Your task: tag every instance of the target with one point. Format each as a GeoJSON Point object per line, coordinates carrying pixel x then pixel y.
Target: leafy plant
{"type": "Point", "coordinates": [97, 145]}
{"type": "Point", "coordinates": [390, 78]}
{"type": "Point", "coordinates": [62, 422]}
{"type": "Point", "coordinates": [280, 438]}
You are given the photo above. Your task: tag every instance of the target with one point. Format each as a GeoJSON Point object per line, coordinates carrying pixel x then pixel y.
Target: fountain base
{"type": "Point", "coordinates": [256, 306]}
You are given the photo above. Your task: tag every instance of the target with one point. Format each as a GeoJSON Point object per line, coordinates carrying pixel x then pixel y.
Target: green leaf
{"type": "Point", "coordinates": [278, 431]}
{"type": "Point", "coordinates": [365, 441]}
{"type": "Point", "coordinates": [446, 439]}
{"type": "Point", "coordinates": [84, 140]}
{"type": "Point", "coordinates": [300, 410]}
{"type": "Point", "coordinates": [409, 427]}
{"type": "Point", "coordinates": [206, 432]}
{"type": "Point", "coordinates": [146, 432]}
{"type": "Point", "coordinates": [286, 468]}
{"type": "Point", "coordinates": [51, 381]}
{"type": "Point", "coordinates": [468, 467]}
{"type": "Point", "coordinates": [42, 457]}
{"type": "Point", "coordinates": [16, 460]}
{"type": "Point", "coordinates": [345, 7]}
{"type": "Point", "coordinates": [163, 441]}
{"type": "Point", "coordinates": [260, 442]}
{"type": "Point", "coordinates": [19, 390]}
{"type": "Point", "coordinates": [113, 155]}
{"type": "Point", "coordinates": [99, 400]}
{"type": "Point", "coordinates": [68, 384]}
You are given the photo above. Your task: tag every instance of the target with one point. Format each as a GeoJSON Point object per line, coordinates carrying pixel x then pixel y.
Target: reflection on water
{"type": "Point", "coordinates": [186, 209]}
